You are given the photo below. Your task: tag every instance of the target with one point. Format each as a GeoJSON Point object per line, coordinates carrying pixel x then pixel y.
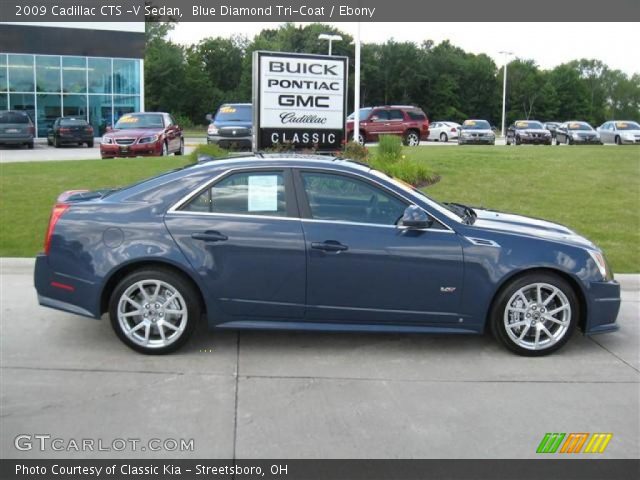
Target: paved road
{"type": "Point", "coordinates": [290, 395]}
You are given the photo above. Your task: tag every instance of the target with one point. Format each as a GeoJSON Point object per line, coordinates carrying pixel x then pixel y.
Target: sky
{"type": "Point", "coordinates": [548, 43]}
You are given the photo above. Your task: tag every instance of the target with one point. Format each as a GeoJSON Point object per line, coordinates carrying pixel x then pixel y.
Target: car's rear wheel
{"type": "Point", "coordinates": [154, 311]}
{"type": "Point", "coordinates": [411, 138]}
{"type": "Point", "coordinates": [56, 142]}
{"type": "Point", "coordinates": [180, 151]}
{"type": "Point", "coordinates": [535, 314]}
{"type": "Point", "coordinates": [443, 137]}
{"type": "Point", "coordinates": [361, 138]}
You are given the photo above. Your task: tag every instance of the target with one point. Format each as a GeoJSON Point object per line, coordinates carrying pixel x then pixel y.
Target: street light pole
{"type": "Point", "coordinates": [356, 90]}
{"type": "Point", "coordinates": [331, 38]}
{"type": "Point", "coordinates": [504, 89]}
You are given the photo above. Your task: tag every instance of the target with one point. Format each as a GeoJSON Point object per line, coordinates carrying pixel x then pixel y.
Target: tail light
{"type": "Point", "coordinates": [454, 130]}
{"type": "Point", "coordinates": [56, 213]}
{"type": "Point", "coordinates": [32, 130]}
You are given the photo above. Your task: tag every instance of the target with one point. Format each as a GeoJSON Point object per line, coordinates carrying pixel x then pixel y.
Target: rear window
{"type": "Point", "coordinates": [14, 117]}
{"type": "Point", "coordinates": [234, 113]}
{"type": "Point", "coordinates": [416, 115]}
{"type": "Point", "coordinates": [70, 122]}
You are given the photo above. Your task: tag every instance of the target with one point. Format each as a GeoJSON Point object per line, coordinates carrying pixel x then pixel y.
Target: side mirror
{"type": "Point", "coordinates": [415, 217]}
{"type": "Point", "coordinates": [208, 117]}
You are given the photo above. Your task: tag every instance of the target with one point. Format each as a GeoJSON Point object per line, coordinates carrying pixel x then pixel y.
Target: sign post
{"type": "Point", "coordinates": [299, 100]}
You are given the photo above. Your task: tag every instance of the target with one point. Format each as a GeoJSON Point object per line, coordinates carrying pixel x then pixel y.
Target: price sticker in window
{"type": "Point", "coordinates": [263, 193]}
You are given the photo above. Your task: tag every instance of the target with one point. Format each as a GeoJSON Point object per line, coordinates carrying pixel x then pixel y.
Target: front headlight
{"type": "Point", "coordinates": [575, 135]}
{"type": "Point", "coordinates": [628, 136]}
{"type": "Point", "coordinates": [107, 140]}
{"type": "Point", "coordinates": [152, 139]}
{"type": "Point", "coordinates": [601, 262]}
{"type": "Point", "coordinates": [212, 130]}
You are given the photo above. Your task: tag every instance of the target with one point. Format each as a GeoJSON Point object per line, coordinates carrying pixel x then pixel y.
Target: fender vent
{"type": "Point", "coordinates": [483, 242]}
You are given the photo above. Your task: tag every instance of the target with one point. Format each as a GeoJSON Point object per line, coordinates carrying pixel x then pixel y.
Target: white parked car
{"type": "Point", "coordinates": [619, 132]}
{"type": "Point", "coordinates": [443, 131]}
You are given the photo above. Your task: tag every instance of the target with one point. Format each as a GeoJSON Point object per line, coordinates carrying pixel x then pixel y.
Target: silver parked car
{"type": "Point", "coordinates": [476, 132]}
{"type": "Point", "coordinates": [443, 131]}
{"type": "Point", "coordinates": [619, 132]}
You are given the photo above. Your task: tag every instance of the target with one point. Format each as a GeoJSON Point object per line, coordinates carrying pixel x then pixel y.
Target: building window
{"type": "Point", "coordinates": [100, 110]}
{"type": "Point", "coordinates": [74, 74]}
{"type": "Point", "coordinates": [126, 77]}
{"type": "Point", "coordinates": [21, 73]}
{"type": "Point", "coordinates": [122, 105]}
{"type": "Point", "coordinates": [3, 72]}
{"type": "Point", "coordinates": [47, 74]}
{"type": "Point", "coordinates": [4, 102]}
{"type": "Point", "coordinates": [23, 101]}
{"type": "Point", "coordinates": [74, 106]}
{"type": "Point", "coordinates": [99, 75]}
{"type": "Point", "coordinates": [48, 110]}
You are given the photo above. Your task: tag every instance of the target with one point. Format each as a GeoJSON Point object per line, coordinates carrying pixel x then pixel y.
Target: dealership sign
{"type": "Point", "coordinates": [299, 100]}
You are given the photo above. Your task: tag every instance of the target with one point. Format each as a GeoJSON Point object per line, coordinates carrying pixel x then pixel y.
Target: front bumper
{"type": "Point", "coordinates": [477, 141]}
{"type": "Point", "coordinates": [586, 141]}
{"type": "Point", "coordinates": [111, 150]}
{"type": "Point", "coordinates": [231, 142]}
{"type": "Point", "coordinates": [536, 140]}
{"type": "Point", "coordinates": [603, 305]}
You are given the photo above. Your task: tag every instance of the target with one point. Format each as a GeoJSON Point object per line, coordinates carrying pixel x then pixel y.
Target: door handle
{"type": "Point", "coordinates": [329, 246]}
{"type": "Point", "coordinates": [209, 236]}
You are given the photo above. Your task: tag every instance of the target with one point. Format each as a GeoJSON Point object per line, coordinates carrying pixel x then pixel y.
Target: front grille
{"type": "Point", "coordinates": [125, 141]}
{"type": "Point", "coordinates": [234, 132]}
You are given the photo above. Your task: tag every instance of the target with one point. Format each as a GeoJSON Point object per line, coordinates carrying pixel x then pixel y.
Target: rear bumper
{"type": "Point", "coordinates": [16, 140]}
{"type": "Point", "coordinates": [63, 292]}
{"type": "Point", "coordinates": [75, 139]}
{"type": "Point", "coordinates": [603, 305]}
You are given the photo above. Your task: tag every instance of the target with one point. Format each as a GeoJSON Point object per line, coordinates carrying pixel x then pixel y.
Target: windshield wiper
{"type": "Point", "coordinates": [467, 213]}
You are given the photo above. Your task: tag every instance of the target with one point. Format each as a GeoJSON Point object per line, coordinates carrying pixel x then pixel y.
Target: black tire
{"type": "Point", "coordinates": [567, 140]}
{"type": "Point", "coordinates": [56, 142]}
{"type": "Point", "coordinates": [497, 314]}
{"type": "Point", "coordinates": [30, 145]}
{"type": "Point", "coordinates": [176, 282]}
{"type": "Point", "coordinates": [49, 141]}
{"type": "Point", "coordinates": [618, 140]}
{"type": "Point", "coordinates": [362, 138]}
{"type": "Point", "coordinates": [411, 136]}
{"type": "Point", "coordinates": [518, 141]}
{"type": "Point", "coordinates": [90, 144]}
{"type": "Point", "coordinates": [180, 151]}
{"type": "Point", "coordinates": [165, 149]}
{"type": "Point", "coordinates": [444, 138]}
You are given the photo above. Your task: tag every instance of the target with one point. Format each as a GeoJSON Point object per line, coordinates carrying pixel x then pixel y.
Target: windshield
{"type": "Point", "coordinates": [526, 124]}
{"type": "Point", "coordinates": [234, 113]}
{"type": "Point", "coordinates": [14, 117]}
{"type": "Point", "coordinates": [579, 126]}
{"type": "Point", "coordinates": [627, 126]}
{"type": "Point", "coordinates": [141, 120]}
{"type": "Point", "coordinates": [476, 125]}
{"type": "Point", "coordinates": [364, 113]}
{"type": "Point", "coordinates": [68, 122]}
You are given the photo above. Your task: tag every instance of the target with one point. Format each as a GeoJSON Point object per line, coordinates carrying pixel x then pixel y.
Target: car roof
{"type": "Point", "coordinates": [291, 160]}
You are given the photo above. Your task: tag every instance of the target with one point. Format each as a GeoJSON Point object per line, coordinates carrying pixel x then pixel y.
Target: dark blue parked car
{"type": "Point", "coordinates": [231, 127]}
{"type": "Point", "coordinates": [310, 243]}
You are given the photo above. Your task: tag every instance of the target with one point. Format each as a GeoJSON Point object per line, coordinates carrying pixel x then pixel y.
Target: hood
{"type": "Point", "coordinates": [531, 227]}
{"type": "Point", "coordinates": [628, 132]}
{"type": "Point", "coordinates": [233, 123]}
{"type": "Point", "coordinates": [134, 132]}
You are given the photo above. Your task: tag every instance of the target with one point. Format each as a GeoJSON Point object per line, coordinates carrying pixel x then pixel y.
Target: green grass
{"type": "Point", "coordinates": [593, 190]}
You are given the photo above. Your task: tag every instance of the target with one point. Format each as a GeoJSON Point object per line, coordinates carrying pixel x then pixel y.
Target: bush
{"type": "Point", "coordinates": [183, 121]}
{"type": "Point", "coordinates": [389, 148]}
{"type": "Point", "coordinates": [354, 151]}
{"type": "Point", "coordinates": [414, 172]}
{"type": "Point", "coordinates": [208, 150]}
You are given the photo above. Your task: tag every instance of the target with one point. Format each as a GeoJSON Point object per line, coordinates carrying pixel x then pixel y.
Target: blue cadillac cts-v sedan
{"type": "Point", "coordinates": [314, 243]}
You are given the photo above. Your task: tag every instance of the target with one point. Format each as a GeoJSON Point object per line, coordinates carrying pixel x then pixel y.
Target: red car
{"type": "Point", "coordinates": [148, 134]}
{"type": "Point", "coordinates": [408, 122]}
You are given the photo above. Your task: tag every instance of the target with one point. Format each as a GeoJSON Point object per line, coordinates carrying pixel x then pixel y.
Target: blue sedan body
{"type": "Point", "coordinates": [268, 272]}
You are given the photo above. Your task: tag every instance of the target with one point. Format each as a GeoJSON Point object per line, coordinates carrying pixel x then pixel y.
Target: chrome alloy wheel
{"type": "Point", "coordinates": [537, 316]}
{"type": "Point", "coordinates": [413, 139]}
{"type": "Point", "coordinates": [152, 313]}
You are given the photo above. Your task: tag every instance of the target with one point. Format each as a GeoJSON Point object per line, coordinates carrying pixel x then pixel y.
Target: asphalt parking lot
{"type": "Point", "coordinates": [295, 395]}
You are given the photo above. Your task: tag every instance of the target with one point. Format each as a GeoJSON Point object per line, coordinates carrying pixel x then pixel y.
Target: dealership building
{"type": "Point", "coordinates": [80, 69]}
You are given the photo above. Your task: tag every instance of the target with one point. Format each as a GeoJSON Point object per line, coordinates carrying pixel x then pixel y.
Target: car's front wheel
{"type": "Point", "coordinates": [154, 311]}
{"type": "Point", "coordinates": [535, 314]}
{"type": "Point", "coordinates": [180, 151]}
